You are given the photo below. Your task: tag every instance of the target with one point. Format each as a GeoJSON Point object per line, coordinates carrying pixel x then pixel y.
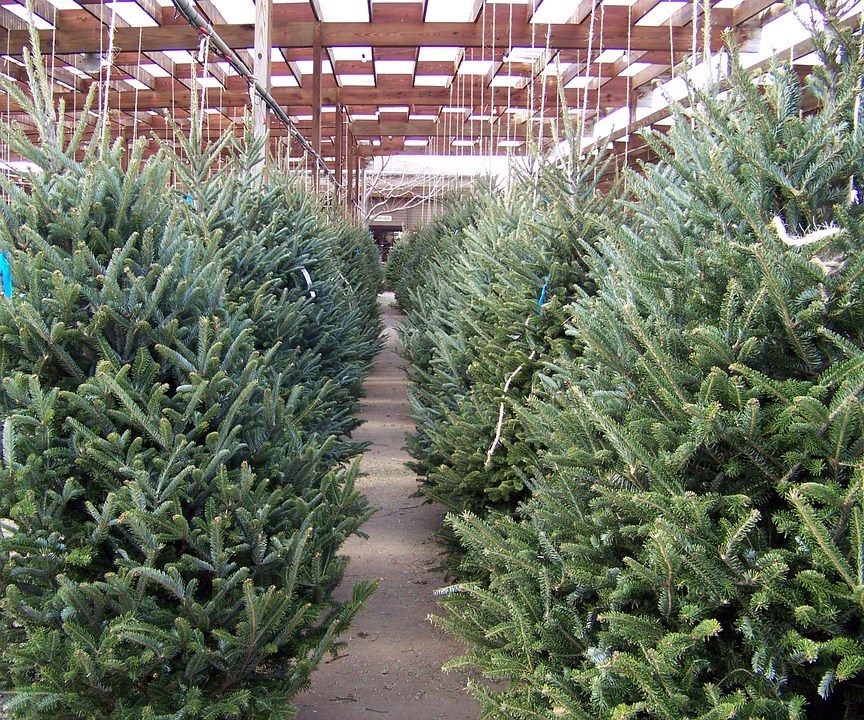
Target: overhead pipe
{"type": "Point", "coordinates": [196, 20]}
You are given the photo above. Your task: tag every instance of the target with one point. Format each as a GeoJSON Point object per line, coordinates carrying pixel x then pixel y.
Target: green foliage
{"type": "Point", "coordinates": [308, 277]}
{"type": "Point", "coordinates": [171, 504]}
{"type": "Point", "coordinates": [691, 544]}
{"type": "Point", "coordinates": [484, 310]}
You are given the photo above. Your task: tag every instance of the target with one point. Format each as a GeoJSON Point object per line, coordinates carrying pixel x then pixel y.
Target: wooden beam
{"type": "Point", "coordinates": [302, 35]}
{"type": "Point", "coordinates": [340, 130]}
{"type": "Point", "coordinates": [611, 92]}
{"type": "Point", "coordinates": [349, 189]}
{"type": "Point", "coordinates": [263, 43]}
{"type": "Point", "coordinates": [317, 66]}
{"type": "Point", "coordinates": [372, 128]}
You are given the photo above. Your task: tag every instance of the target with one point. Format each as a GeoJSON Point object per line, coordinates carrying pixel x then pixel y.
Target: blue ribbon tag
{"type": "Point", "coordinates": [6, 274]}
{"type": "Point", "coordinates": [543, 294]}
{"type": "Point", "coordinates": [190, 200]}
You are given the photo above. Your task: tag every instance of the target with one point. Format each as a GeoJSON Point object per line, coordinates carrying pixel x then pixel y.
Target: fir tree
{"type": "Point", "coordinates": [170, 525]}
{"type": "Point", "coordinates": [691, 545]}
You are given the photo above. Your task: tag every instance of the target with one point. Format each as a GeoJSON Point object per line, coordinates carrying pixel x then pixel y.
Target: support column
{"type": "Point", "coordinates": [263, 44]}
{"type": "Point", "coordinates": [349, 166]}
{"type": "Point", "coordinates": [316, 88]}
{"type": "Point", "coordinates": [339, 145]}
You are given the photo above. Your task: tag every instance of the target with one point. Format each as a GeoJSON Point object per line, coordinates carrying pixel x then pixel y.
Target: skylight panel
{"type": "Point", "coordinates": [475, 67]}
{"type": "Point", "coordinates": [208, 82]}
{"type": "Point", "coordinates": [524, 55]}
{"type": "Point", "coordinates": [555, 11]}
{"type": "Point", "coordinates": [416, 142]}
{"type": "Point", "coordinates": [581, 82]}
{"type": "Point", "coordinates": [424, 118]}
{"type": "Point", "coordinates": [780, 34]}
{"type": "Point", "coordinates": [132, 13]}
{"type": "Point", "coordinates": [607, 57]}
{"type": "Point", "coordinates": [305, 67]}
{"type": "Point", "coordinates": [364, 116]}
{"type": "Point", "coordinates": [432, 80]}
{"type": "Point", "coordinates": [511, 81]}
{"type": "Point", "coordinates": [283, 81]}
{"type": "Point", "coordinates": [660, 13]}
{"type": "Point", "coordinates": [394, 67]}
{"type": "Point", "coordinates": [180, 57]}
{"type": "Point", "coordinates": [22, 12]}
{"type": "Point", "coordinates": [276, 55]}
{"type": "Point", "coordinates": [511, 143]}
{"type": "Point", "coordinates": [135, 83]}
{"type": "Point", "coordinates": [616, 120]}
{"type": "Point", "coordinates": [226, 67]}
{"type": "Point", "coordinates": [634, 69]}
{"type": "Point", "coordinates": [463, 142]}
{"type": "Point", "coordinates": [394, 109]}
{"type": "Point", "coordinates": [65, 4]}
{"type": "Point", "coordinates": [344, 10]}
{"type": "Point", "coordinates": [356, 80]}
{"type": "Point", "coordinates": [236, 12]}
{"type": "Point", "coordinates": [449, 11]}
{"type": "Point", "coordinates": [439, 54]}
{"type": "Point", "coordinates": [351, 54]}
{"type": "Point", "coordinates": [556, 69]}
{"type": "Point", "coordinates": [75, 71]}
{"type": "Point", "coordinates": [156, 70]}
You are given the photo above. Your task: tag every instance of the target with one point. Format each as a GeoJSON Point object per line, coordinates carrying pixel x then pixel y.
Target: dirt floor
{"type": "Point", "coordinates": [392, 665]}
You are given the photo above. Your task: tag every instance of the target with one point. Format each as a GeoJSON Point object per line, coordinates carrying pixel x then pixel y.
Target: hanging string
{"type": "Point", "coordinates": [695, 32]}
{"type": "Point", "coordinates": [600, 66]}
{"type": "Point", "coordinates": [543, 89]}
{"type": "Point", "coordinates": [53, 46]}
{"type": "Point", "coordinates": [135, 115]}
{"type": "Point", "coordinates": [109, 62]}
{"type": "Point", "coordinates": [584, 118]}
{"type": "Point", "coordinates": [630, 104]}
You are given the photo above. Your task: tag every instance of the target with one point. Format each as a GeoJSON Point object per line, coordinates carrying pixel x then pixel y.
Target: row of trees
{"type": "Point", "coordinates": [643, 410]}
{"type": "Point", "coordinates": [182, 354]}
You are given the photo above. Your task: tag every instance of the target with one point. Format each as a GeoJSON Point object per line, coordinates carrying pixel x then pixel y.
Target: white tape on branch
{"type": "Point", "coordinates": [308, 277]}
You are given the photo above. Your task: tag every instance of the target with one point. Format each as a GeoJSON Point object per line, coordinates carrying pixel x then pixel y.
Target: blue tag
{"type": "Point", "coordinates": [190, 200]}
{"type": "Point", "coordinates": [543, 294]}
{"type": "Point", "coordinates": [6, 274]}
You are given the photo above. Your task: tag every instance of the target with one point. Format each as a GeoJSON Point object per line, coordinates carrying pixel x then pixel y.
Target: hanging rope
{"type": "Point", "coordinates": [135, 115]}
{"type": "Point", "coordinates": [109, 63]}
{"type": "Point", "coordinates": [204, 27]}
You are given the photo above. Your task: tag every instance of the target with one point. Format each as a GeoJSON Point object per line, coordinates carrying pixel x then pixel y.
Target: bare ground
{"type": "Point", "coordinates": [392, 665]}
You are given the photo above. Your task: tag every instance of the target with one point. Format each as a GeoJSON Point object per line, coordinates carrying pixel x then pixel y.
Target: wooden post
{"type": "Point", "coordinates": [349, 166]}
{"type": "Point", "coordinates": [317, 68]}
{"type": "Point", "coordinates": [263, 43]}
{"type": "Point", "coordinates": [339, 131]}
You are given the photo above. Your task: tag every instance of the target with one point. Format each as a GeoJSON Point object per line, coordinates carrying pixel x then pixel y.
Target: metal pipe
{"type": "Point", "coordinates": [205, 28]}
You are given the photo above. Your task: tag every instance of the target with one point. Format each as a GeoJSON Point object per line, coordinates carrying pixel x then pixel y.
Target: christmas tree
{"type": "Point", "coordinates": [691, 545]}
{"type": "Point", "coordinates": [171, 522]}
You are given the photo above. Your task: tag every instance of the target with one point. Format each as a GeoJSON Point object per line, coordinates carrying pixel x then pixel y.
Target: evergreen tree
{"type": "Point", "coordinates": [308, 278]}
{"type": "Point", "coordinates": [170, 524]}
{"type": "Point", "coordinates": [484, 310]}
{"type": "Point", "coordinates": [691, 547]}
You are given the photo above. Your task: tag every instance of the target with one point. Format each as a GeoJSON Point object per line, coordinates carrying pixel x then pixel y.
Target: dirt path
{"type": "Point", "coordinates": [392, 665]}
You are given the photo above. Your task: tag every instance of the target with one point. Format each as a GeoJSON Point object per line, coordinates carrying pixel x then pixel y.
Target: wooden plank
{"type": "Point", "coordinates": [381, 35]}
{"type": "Point", "coordinates": [261, 69]}
{"type": "Point", "coordinates": [371, 128]}
{"type": "Point", "coordinates": [749, 9]}
{"type": "Point", "coordinates": [340, 131]}
{"type": "Point", "coordinates": [317, 66]}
